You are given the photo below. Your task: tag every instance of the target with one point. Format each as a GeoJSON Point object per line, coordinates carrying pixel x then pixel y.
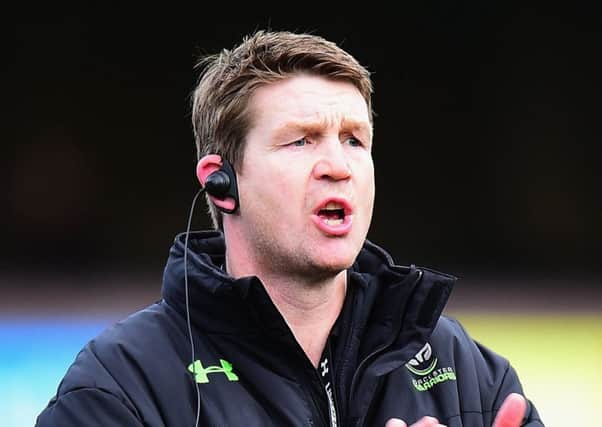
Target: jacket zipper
{"type": "Point", "coordinates": [325, 421]}
{"type": "Point", "coordinates": [362, 366]}
{"type": "Point", "coordinates": [317, 415]}
{"type": "Point", "coordinates": [357, 372]}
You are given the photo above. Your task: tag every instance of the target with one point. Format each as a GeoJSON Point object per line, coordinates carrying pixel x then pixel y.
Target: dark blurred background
{"type": "Point", "coordinates": [487, 135]}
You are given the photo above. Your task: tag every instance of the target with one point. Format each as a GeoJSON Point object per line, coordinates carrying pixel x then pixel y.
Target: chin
{"type": "Point", "coordinates": [336, 264]}
{"type": "Point", "coordinates": [331, 255]}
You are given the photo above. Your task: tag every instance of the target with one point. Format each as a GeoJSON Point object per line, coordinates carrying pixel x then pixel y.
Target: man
{"type": "Point", "coordinates": [290, 317]}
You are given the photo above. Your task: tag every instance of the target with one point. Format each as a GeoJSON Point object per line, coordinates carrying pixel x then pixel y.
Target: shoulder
{"type": "Point", "coordinates": [118, 350]}
{"type": "Point", "coordinates": [108, 372]}
{"type": "Point", "coordinates": [450, 331]}
{"type": "Point", "coordinates": [451, 338]}
{"type": "Point", "coordinates": [139, 329]}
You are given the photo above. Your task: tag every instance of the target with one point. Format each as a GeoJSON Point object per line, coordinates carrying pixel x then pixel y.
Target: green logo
{"type": "Point", "coordinates": [423, 365]}
{"type": "Point", "coordinates": [439, 376]}
{"type": "Point", "coordinates": [423, 372]}
{"type": "Point", "coordinates": [201, 374]}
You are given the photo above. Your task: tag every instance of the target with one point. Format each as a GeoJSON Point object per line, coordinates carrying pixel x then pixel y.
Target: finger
{"type": "Point", "coordinates": [423, 422]}
{"type": "Point", "coordinates": [427, 422]}
{"type": "Point", "coordinates": [511, 412]}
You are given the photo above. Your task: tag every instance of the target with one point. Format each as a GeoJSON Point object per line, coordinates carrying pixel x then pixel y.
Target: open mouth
{"type": "Point", "coordinates": [333, 216]}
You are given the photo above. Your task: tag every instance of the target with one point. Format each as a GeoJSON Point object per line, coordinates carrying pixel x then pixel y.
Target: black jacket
{"type": "Point", "coordinates": [392, 354]}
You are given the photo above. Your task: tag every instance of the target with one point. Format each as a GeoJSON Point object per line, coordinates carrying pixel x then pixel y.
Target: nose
{"type": "Point", "coordinates": [332, 163]}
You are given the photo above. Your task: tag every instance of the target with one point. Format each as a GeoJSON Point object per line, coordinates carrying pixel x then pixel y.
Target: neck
{"type": "Point", "coordinates": [309, 305]}
{"type": "Point", "coordinates": [309, 309]}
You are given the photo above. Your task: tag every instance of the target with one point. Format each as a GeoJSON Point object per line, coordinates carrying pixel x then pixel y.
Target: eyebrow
{"type": "Point", "coordinates": [318, 127]}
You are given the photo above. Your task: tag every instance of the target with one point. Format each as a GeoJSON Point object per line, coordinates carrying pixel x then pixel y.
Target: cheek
{"type": "Point", "coordinates": [271, 190]}
{"type": "Point", "coordinates": [367, 182]}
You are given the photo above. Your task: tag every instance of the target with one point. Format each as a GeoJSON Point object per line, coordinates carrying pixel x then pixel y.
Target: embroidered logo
{"type": "Point", "coordinates": [424, 365]}
{"type": "Point", "coordinates": [201, 373]}
{"type": "Point", "coordinates": [324, 366]}
{"type": "Point", "coordinates": [329, 392]}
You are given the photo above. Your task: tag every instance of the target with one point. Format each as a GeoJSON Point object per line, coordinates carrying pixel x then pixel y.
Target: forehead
{"type": "Point", "coordinates": [308, 100]}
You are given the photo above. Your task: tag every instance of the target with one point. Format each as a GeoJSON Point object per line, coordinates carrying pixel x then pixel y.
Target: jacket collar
{"type": "Point", "coordinates": [388, 296]}
{"type": "Point", "coordinates": [217, 302]}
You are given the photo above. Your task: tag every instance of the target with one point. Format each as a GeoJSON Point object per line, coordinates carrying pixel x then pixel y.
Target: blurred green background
{"type": "Point", "coordinates": [557, 358]}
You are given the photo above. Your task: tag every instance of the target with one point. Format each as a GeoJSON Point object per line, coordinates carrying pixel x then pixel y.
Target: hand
{"type": "Point", "coordinates": [422, 422]}
{"type": "Point", "coordinates": [511, 412]}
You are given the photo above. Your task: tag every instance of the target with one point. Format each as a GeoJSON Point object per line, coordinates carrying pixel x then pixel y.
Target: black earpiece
{"type": "Point", "coordinates": [222, 184]}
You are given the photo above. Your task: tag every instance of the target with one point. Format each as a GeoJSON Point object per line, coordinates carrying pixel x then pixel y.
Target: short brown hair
{"type": "Point", "coordinates": [220, 117]}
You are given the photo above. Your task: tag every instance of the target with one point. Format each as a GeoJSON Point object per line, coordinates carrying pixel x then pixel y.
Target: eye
{"type": "Point", "coordinates": [299, 142]}
{"type": "Point", "coordinates": [354, 142]}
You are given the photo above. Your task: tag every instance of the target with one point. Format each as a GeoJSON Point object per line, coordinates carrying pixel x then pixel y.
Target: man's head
{"type": "Point", "coordinates": [221, 115]}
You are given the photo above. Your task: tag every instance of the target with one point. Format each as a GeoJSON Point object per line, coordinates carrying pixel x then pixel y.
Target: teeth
{"type": "Point", "coordinates": [333, 205]}
{"type": "Point", "coordinates": [332, 221]}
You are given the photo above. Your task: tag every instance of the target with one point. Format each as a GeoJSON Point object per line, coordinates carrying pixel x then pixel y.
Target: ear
{"type": "Point", "coordinates": [205, 167]}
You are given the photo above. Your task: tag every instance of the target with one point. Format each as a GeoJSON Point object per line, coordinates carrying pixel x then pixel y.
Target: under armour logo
{"type": "Point", "coordinates": [324, 366]}
{"type": "Point", "coordinates": [201, 373]}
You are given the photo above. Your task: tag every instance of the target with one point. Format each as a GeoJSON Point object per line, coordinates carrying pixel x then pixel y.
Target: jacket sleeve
{"type": "Point", "coordinates": [511, 384]}
{"type": "Point", "coordinates": [497, 380]}
{"type": "Point", "coordinates": [87, 407]}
